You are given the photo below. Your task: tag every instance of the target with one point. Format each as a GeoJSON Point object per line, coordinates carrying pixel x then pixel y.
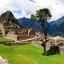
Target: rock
{"type": "Point", "coordinates": [3, 61]}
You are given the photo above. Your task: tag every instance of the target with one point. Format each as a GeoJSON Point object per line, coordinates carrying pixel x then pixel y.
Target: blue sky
{"type": "Point", "coordinates": [32, 1]}
{"type": "Point", "coordinates": [24, 8]}
{"type": "Point", "coordinates": [19, 12]}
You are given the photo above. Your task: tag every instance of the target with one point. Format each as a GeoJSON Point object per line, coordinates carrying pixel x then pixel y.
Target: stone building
{"type": "Point", "coordinates": [23, 34]}
{"type": "Point", "coordinates": [57, 41]}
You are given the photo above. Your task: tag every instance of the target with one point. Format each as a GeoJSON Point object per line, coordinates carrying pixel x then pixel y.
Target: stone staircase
{"type": "Point", "coordinates": [3, 61]}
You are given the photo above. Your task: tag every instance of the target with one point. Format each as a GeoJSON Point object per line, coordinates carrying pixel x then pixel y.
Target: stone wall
{"type": "Point", "coordinates": [59, 42]}
{"type": "Point", "coordinates": [22, 35]}
{"type": "Point", "coordinates": [11, 35]}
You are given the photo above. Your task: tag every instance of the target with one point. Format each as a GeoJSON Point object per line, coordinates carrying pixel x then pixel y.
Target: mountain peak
{"type": "Point", "coordinates": [8, 16]}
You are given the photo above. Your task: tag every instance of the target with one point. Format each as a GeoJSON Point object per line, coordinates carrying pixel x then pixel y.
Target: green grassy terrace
{"type": "Point", "coordinates": [3, 39]}
{"type": "Point", "coordinates": [28, 54]}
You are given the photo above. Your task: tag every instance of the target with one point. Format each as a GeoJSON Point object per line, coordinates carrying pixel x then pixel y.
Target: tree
{"type": "Point", "coordinates": [33, 17]}
{"type": "Point", "coordinates": [43, 15]}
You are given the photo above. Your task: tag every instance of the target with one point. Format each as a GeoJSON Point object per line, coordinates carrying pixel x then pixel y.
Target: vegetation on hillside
{"type": "Point", "coordinates": [28, 54]}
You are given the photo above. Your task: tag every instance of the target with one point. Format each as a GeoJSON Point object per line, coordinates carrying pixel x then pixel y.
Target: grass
{"type": "Point", "coordinates": [28, 54]}
{"type": "Point", "coordinates": [3, 39]}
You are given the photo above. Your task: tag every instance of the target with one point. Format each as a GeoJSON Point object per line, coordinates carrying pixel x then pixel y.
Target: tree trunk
{"type": "Point", "coordinates": [45, 35]}
{"type": "Point", "coordinates": [44, 48]}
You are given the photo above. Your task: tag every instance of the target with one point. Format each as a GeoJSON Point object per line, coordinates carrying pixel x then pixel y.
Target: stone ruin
{"type": "Point", "coordinates": [57, 42]}
{"type": "Point", "coordinates": [22, 34]}
{"type": "Point", "coordinates": [3, 61]}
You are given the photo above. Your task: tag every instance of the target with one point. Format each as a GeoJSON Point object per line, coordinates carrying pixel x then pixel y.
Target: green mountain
{"type": "Point", "coordinates": [57, 27]}
{"type": "Point", "coordinates": [8, 18]}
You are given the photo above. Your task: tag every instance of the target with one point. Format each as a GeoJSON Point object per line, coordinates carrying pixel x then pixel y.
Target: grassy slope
{"type": "Point", "coordinates": [2, 39]}
{"type": "Point", "coordinates": [28, 54]}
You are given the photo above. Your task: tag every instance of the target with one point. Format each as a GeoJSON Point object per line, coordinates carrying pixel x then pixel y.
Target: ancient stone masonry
{"type": "Point", "coordinates": [3, 61]}
{"type": "Point", "coordinates": [57, 41]}
{"type": "Point", "coordinates": [22, 34]}
{"type": "Point", "coordinates": [2, 29]}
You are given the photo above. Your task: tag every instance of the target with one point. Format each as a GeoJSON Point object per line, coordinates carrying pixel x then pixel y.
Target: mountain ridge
{"type": "Point", "coordinates": [29, 23]}
{"type": "Point", "coordinates": [56, 27]}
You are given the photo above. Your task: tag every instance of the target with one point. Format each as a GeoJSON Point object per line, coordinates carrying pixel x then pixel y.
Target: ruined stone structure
{"type": "Point", "coordinates": [17, 34]}
{"type": "Point", "coordinates": [57, 41]}
{"type": "Point", "coordinates": [22, 34]}
{"type": "Point", "coordinates": [2, 30]}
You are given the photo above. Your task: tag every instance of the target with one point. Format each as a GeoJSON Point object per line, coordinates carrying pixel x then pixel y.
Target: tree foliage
{"type": "Point", "coordinates": [33, 17]}
{"type": "Point", "coordinates": [41, 13]}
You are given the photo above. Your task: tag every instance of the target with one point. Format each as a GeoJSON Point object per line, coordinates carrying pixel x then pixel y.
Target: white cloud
{"type": "Point", "coordinates": [56, 7]}
{"type": "Point", "coordinates": [3, 3]}
{"type": "Point", "coordinates": [24, 5]}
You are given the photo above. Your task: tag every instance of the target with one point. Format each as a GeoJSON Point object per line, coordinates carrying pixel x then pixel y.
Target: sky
{"type": "Point", "coordinates": [24, 8]}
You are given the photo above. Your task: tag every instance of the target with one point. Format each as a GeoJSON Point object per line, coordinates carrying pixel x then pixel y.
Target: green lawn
{"type": "Point", "coordinates": [3, 39]}
{"type": "Point", "coordinates": [28, 54]}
